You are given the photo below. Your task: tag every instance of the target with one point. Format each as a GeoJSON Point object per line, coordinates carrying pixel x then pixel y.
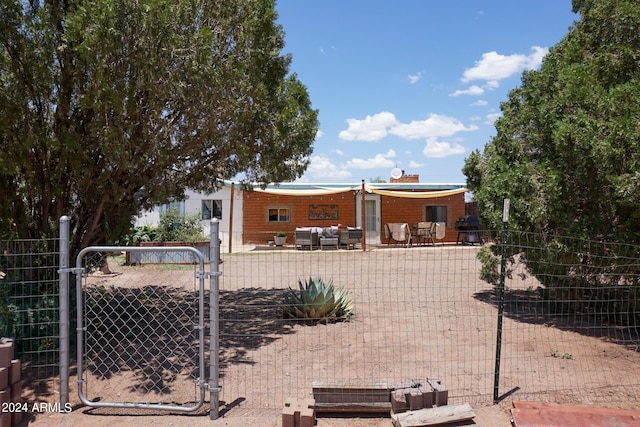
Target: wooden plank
{"type": "Point", "coordinates": [575, 408]}
{"type": "Point", "coordinates": [529, 414]}
{"type": "Point", "coordinates": [369, 408]}
{"type": "Point", "coordinates": [326, 392]}
{"type": "Point", "coordinates": [434, 416]}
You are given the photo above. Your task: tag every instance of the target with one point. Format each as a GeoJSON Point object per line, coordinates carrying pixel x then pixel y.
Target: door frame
{"type": "Point", "coordinates": [372, 232]}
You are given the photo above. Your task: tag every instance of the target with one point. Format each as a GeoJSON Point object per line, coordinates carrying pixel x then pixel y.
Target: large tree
{"type": "Point", "coordinates": [567, 148]}
{"type": "Point", "coordinates": [111, 106]}
{"type": "Point", "coordinates": [567, 155]}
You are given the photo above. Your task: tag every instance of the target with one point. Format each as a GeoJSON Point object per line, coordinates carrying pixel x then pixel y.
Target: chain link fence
{"type": "Point", "coordinates": [141, 331]}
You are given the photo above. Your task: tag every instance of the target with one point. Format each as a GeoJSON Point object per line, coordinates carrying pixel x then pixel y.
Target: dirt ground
{"type": "Point", "coordinates": [436, 317]}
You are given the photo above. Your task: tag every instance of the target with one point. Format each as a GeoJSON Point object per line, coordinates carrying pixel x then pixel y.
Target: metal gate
{"type": "Point", "coordinates": [141, 332]}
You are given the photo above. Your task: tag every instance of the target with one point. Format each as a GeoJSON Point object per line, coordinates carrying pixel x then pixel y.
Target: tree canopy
{"type": "Point", "coordinates": [567, 148]}
{"type": "Point", "coordinates": [111, 106]}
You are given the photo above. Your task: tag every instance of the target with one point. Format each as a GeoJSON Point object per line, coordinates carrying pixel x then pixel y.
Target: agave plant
{"type": "Point", "coordinates": [317, 301]}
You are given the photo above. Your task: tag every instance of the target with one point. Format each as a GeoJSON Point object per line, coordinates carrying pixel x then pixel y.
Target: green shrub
{"type": "Point", "coordinates": [177, 227]}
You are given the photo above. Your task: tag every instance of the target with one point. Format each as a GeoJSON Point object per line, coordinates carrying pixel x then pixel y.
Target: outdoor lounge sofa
{"type": "Point", "coordinates": [317, 237]}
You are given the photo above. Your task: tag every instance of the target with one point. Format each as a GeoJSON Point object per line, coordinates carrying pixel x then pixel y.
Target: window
{"type": "Point", "coordinates": [437, 213]}
{"type": "Point", "coordinates": [211, 209]}
{"type": "Point", "coordinates": [179, 205]}
{"type": "Point", "coordinates": [278, 215]}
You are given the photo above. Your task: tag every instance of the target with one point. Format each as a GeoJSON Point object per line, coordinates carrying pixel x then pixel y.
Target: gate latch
{"type": "Point", "coordinates": [207, 274]}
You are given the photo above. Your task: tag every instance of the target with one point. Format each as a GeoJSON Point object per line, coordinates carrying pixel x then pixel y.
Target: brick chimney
{"type": "Point", "coordinates": [413, 178]}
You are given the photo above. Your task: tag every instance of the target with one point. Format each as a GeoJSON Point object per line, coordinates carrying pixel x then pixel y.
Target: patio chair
{"type": "Point", "coordinates": [427, 231]}
{"type": "Point", "coordinates": [350, 237]}
{"type": "Point", "coordinates": [397, 232]}
{"type": "Point", "coordinates": [306, 237]}
{"type": "Point", "coordinates": [439, 230]}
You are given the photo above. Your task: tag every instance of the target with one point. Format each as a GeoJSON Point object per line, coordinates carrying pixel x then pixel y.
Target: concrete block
{"type": "Point", "coordinates": [307, 417]}
{"type": "Point", "coordinates": [4, 378]}
{"type": "Point", "coordinates": [16, 418]}
{"type": "Point", "coordinates": [414, 398]}
{"type": "Point", "coordinates": [5, 419]}
{"type": "Point", "coordinates": [16, 391]}
{"type": "Point", "coordinates": [299, 413]}
{"type": "Point", "coordinates": [288, 416]}
{"type": "Point", "coordinates": [14, 372]}
{"type": "Point", "coordinates": [5, 395]}
{"type": "Point", "coordinates": [6, 352]}
{"type": "Point", "coordinates": [428, 395]}
{"type": "Point", "coordinates": [398, 401]}
{"type": "Point", "coordinates": [442, 394]}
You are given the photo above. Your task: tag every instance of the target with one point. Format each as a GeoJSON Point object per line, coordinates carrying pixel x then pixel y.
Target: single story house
{"type": "Point", "coordinates": [254, 217]}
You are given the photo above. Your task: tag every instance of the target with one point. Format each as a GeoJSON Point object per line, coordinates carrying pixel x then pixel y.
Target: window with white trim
{"type": "Point", "coordinates": [278, 214]}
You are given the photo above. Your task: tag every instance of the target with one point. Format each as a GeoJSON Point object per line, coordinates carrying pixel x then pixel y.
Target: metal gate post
{"type": "Point", "coordinates": [64, 309]}
{"type": "Point", "coordinates": [214, 344]}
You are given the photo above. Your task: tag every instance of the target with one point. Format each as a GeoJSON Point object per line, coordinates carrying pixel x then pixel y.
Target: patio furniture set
{"type": "Point", "coordinates": [328, 237]}
{"type": "Point", "coordinates": [422, 233]}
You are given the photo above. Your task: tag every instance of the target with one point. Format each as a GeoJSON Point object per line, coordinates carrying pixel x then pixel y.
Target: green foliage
{"type": "Point", "coordinates": [557, 354]}
{"type": "Point", "coordinates": [179, 227]}
{"type": "Point", "coordinates": [567, 150]}
{"type": "Point", "coordinates": [111, 107]}
{"type": "Point", "coordinates": [173, 227]}
{"type": "Point", "coordinates": [29, 295]}
{"type": "Point", "coordinates": [317, 301]}
{"type": "Point", "coordinates": [281, 234]}
{"type": "Point", "coordinates": [490, 265]}
{"type": "Point", "coordinates": [139, 234]}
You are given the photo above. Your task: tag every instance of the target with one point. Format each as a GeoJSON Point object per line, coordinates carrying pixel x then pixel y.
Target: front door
{"type": "Point", "coordinates": [372, 217]}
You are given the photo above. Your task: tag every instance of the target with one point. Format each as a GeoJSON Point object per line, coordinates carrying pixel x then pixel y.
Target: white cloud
{"type": "Point", "coordinates": [413, 78]}
{"type": "Point", "coordinates": [378, 161]}
{"type": "Point", "coordinates": [372, 128]}
{"type": "Point", "coordinates": [322, 168]}
{"type": "Point", "coordinates": [319, 134]}
{"type": "Point", "coordinates": [491, 118]}
{"type": "Point", "coordinates": [413, 164]}
{"type": "Point", "coordinates": [437, 149]}
{"type": "Point", "coordinates": [494, 66]}
{"type": "Point", "coordinates": [434, 126]}
{"type": "Point", "coordinates": [472, 90]}
{"type": "Point", "coordinates": [480, 103]}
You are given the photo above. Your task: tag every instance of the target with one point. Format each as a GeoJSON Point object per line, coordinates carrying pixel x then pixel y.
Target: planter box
{"type": "Point", "coordinates": [167, 257]}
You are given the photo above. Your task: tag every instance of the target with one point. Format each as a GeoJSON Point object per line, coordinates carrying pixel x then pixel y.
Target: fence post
{"type": "Point", "coordinates": [64, 309]}
{"type": "Point", "coordinates": [503, 267]}
{"type": "Point", "coordinates": [214, 344]}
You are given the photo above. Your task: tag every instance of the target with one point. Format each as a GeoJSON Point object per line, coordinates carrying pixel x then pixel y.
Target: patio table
{"type": "Point", "coordinates": [328, 241]}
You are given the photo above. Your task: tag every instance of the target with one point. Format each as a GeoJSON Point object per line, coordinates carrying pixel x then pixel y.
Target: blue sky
{"type": "Point", "coordinates": [412, 84]}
